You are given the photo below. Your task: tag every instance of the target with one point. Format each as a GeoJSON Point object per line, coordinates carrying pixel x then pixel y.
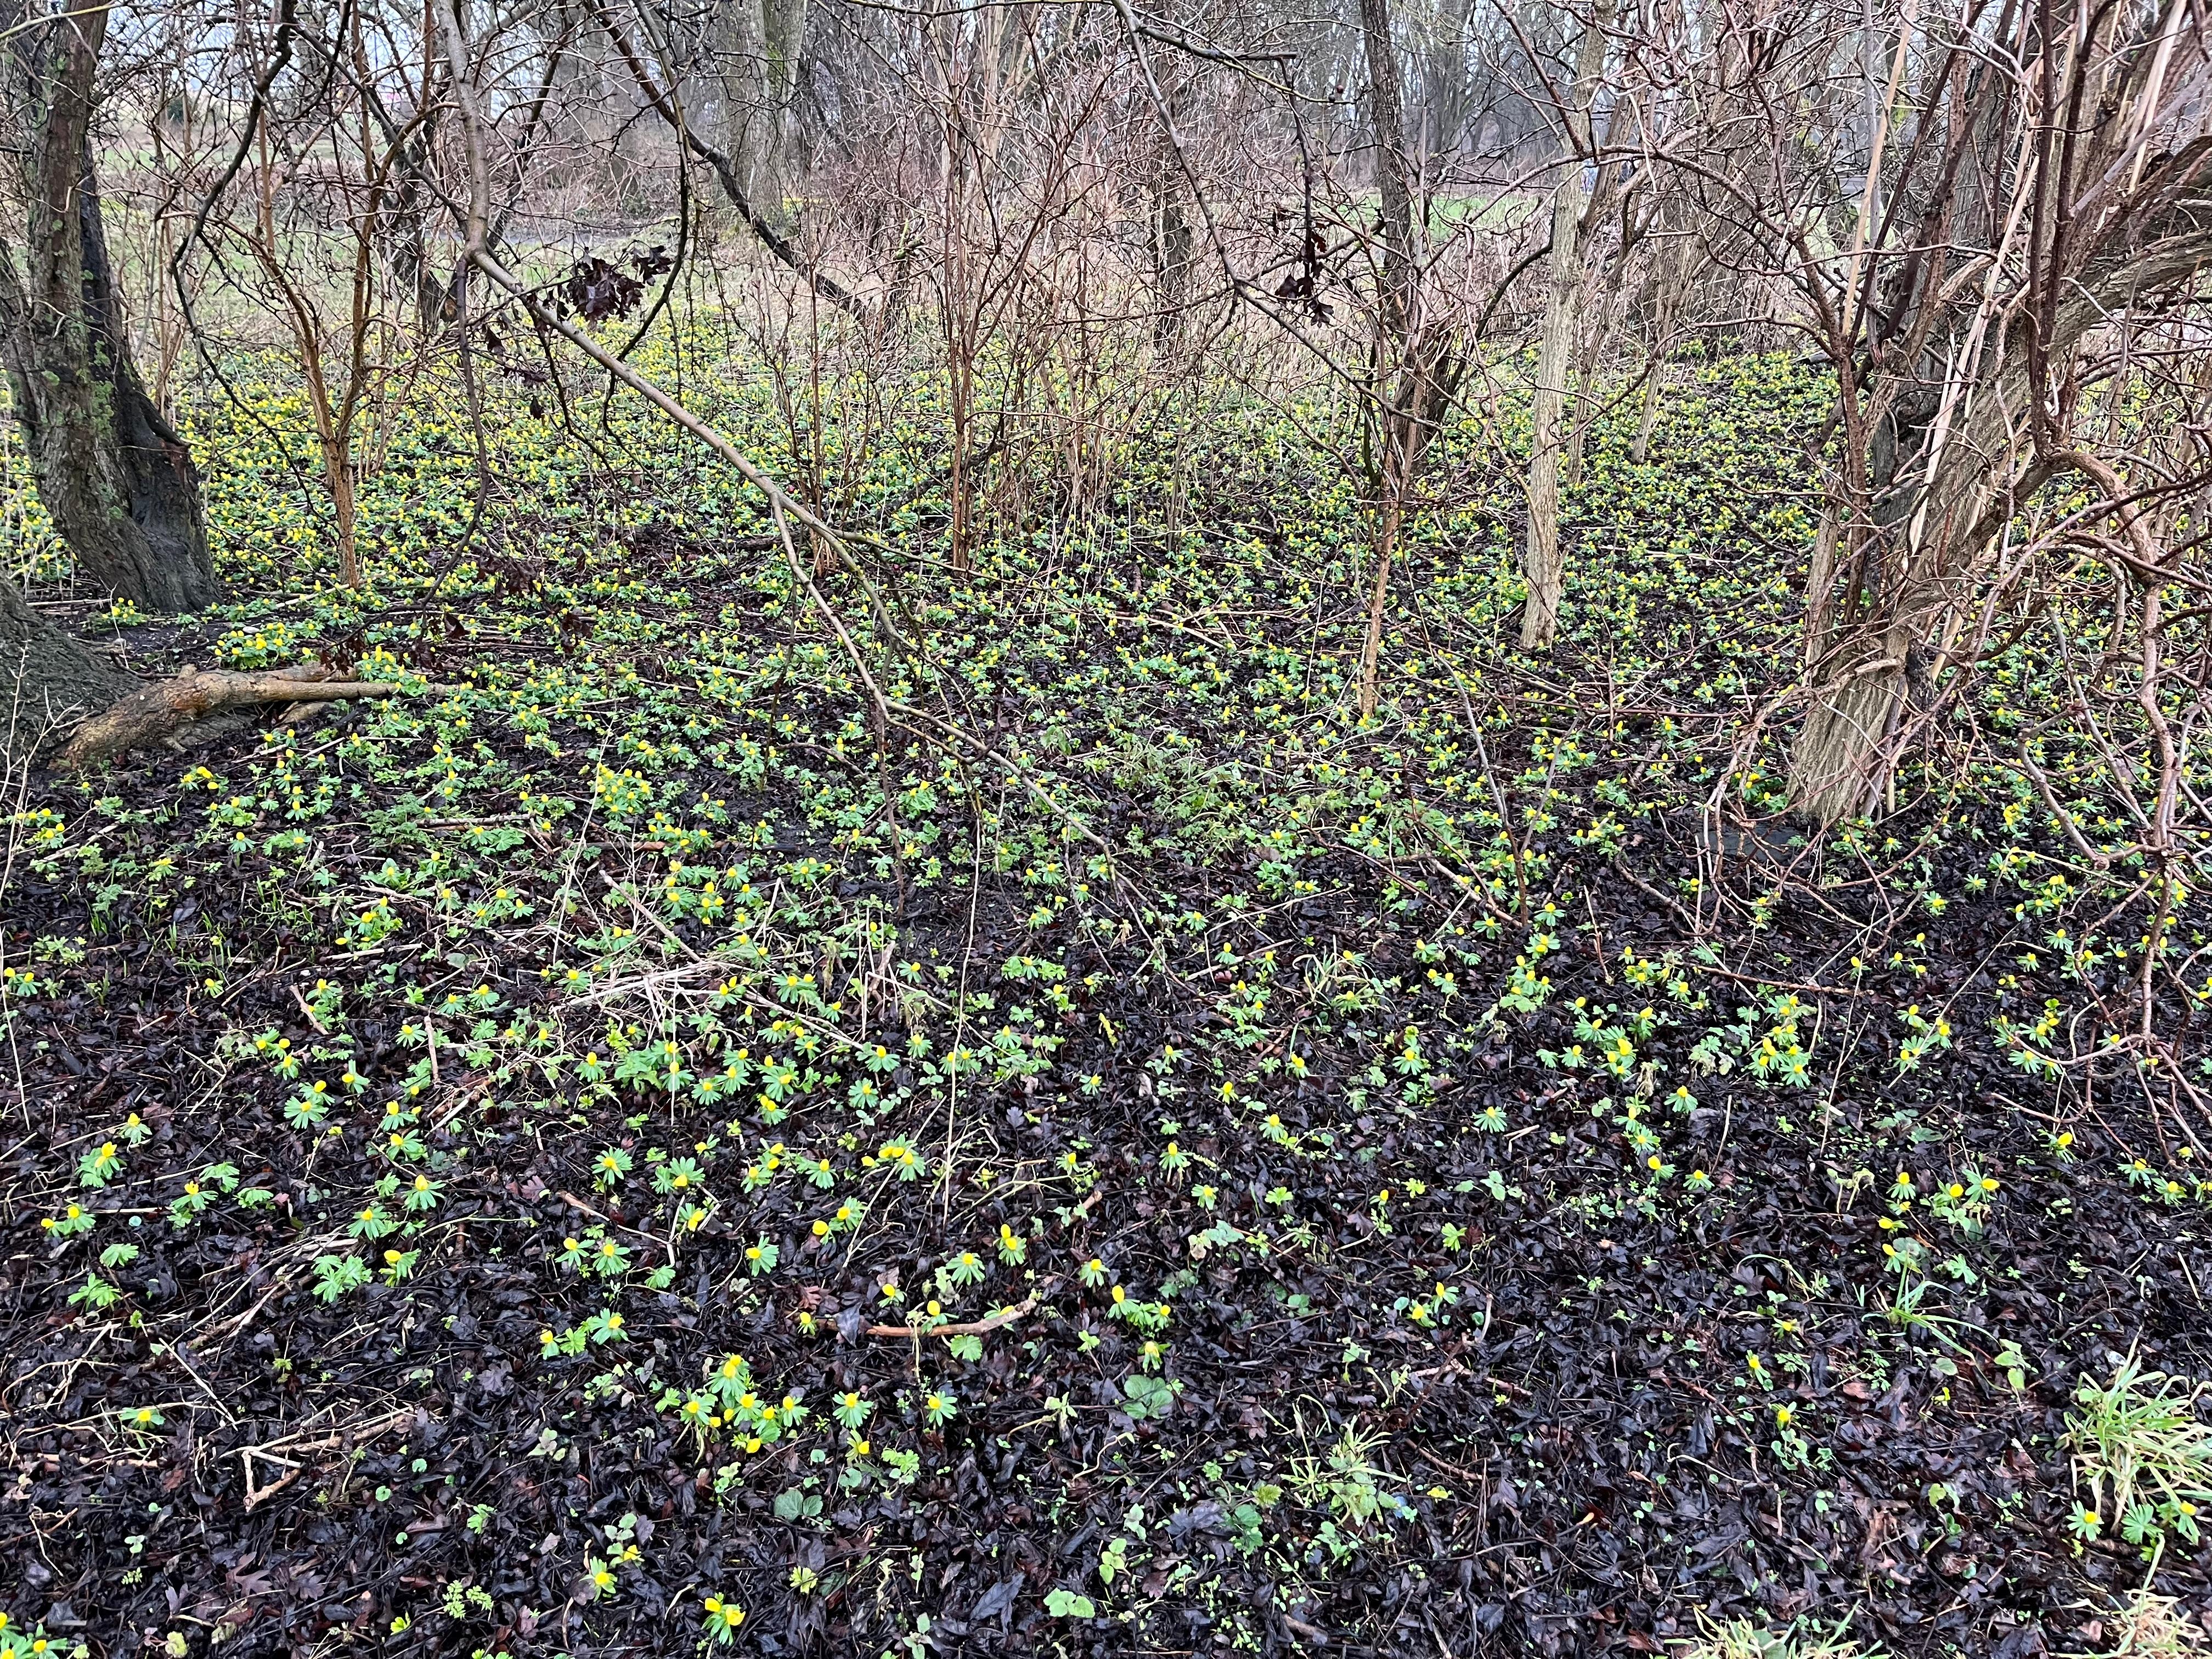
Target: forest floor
{"type": "Point", "coordinates": [608, 1150]}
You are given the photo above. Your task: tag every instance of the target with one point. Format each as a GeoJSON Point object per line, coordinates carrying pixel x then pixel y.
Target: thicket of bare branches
{"type": "Point", "coordinates": [1064, 232]}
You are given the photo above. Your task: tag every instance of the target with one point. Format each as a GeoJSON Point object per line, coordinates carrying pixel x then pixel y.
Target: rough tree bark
{"type": "Point", "coordinates": [1393, 168]}
{"type": "Point", "coordinates": [1174, 244]}
{"type": "Point", "coordinates": [759, 52]}
{"type": "Point", "coordinates": [1541, 563]}
{"type": "Point", "coordinates": [114, 475]}
{"type": "Point", "coordinates": [47, 677]}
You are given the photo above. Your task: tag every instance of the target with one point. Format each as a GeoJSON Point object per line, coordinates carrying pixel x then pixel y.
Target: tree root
{"type": "Point", "coordinates": [158, 711]}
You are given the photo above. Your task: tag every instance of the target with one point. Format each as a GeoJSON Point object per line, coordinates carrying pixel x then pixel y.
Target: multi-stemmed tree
{"type": "Point", "coordinates": [2040, 218]}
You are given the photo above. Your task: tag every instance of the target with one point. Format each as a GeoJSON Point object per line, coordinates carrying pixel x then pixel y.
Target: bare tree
{"type": "Point", "coordinates": [331, 180]}
{"type": "Point", "coordinates": [1416, 351]}
{"type": "Point", "coordinates": [1541, 563]}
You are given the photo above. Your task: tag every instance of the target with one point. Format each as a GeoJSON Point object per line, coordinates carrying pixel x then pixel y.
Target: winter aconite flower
{"type": "Point", "coordinates": [723, 1617]}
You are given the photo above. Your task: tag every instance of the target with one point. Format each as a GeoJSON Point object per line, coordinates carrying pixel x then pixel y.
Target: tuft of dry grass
{"type": "Point", "coordinates": [2148, 1625]}
{"type": "Point", "coordinates": [1739, 1638]}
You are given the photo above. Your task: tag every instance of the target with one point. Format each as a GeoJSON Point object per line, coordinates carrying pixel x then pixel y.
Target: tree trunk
{"type": "Point", "coordinates": [1394, 169]}
{"type": "Point", "coordinates": [411, 246]}
{"type": "Point", "coordinates": [1655, 388]}
{"type": "Point", "coordinates": [1854, 718]}
{"type": "Point", "coordinates": [1877, 646]}
{"type": "Point", "coordinates": [114, 475]}
{"type": "Point", "coordinates": [760, 46]}
{"type": "Point", "coordinates": [1173, 252]}
{"type": "Point", "coordinates": [47, 677]}
{"type": "Point", "coordinates": [1416, 368]}
{"type": "Point", "coordinates": [1397, 324]}
{"type": "Point", "coordinates": [1542, 562]}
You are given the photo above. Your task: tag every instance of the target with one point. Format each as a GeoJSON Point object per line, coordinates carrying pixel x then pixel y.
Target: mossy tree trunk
{"type": "Point", "coordinates": [114, 475]}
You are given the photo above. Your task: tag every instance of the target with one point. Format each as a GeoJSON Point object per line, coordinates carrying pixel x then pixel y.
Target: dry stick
{"type": "Point", "coordinates": [235, 1326]}
{"type": "Point", "coordinates": [1621, 868]}
{"type": "Point", "coordinates": [972, 1327]}
{"type": "Point", "coordinates": [960, 1004]}
{"type": "Point", "coordinates": [173, 1352]}
{"type": "Point", "coordinates": [314, 1018]}
{"type": "Point", "coordinates": [2161, 825]}
{"type": "Point", "coordinates": [576, 1203]}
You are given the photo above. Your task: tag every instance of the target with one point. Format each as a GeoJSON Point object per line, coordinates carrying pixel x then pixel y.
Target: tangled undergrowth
{"type": "Point", "coordinates": [621, 1149]}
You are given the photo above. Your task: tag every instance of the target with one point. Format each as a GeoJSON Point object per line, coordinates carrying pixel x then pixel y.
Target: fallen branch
{"type": "Point", "coordinates": [159, 712]}
{"type": "Point", "coordinates": [971, 1327]}
{"type": "Point", "coordinates": [271, 1452]}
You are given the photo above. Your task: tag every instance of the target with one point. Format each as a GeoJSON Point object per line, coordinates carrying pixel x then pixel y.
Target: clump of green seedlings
{"type": "Point", "coordinates": [636, 903]}
{"type": "Point", "coordinates": [2147, 1626]}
